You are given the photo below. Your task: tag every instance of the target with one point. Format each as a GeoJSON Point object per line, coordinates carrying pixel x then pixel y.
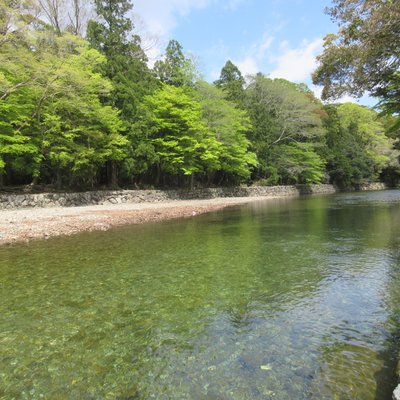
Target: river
{"type": "Point", "coordinates": [278, 299]}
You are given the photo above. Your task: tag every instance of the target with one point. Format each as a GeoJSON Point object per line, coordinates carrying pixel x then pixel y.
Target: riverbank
{"type": "Point", "coordinates": [41, 216]}
{"type": "Point", "coordinates": [23, 225]}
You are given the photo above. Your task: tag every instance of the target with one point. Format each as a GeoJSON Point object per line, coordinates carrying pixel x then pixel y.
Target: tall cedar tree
{"type": "Point", "coordinates": [126, 66]}
{"type": "Point", "coordinates": [231, 82]}
{"type": "Point", "coordinates": [176, 69]}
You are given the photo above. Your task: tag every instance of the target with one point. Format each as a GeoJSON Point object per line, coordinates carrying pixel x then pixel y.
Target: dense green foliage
{"type": "Point", "coordinates": [231, 82]}
{"type": "Point", "coordinates": [365, 54]}
{"type": "Point", "coordinates": [78, 112]}
{"type": "Point", "coordinates": [287, 129]}
{"type": "Point", "coordinates": [176, 69]}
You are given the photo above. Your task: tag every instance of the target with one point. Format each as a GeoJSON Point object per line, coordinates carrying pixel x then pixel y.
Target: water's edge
{"type": "Point", "coordinates": [17, 201]}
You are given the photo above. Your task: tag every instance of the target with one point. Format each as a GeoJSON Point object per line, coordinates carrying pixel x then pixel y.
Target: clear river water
{"type": "Point", "coordinates": [286, 299]}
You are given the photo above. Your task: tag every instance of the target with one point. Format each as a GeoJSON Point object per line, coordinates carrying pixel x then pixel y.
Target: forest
{"type": "Point", "coordinates": [81, 107]}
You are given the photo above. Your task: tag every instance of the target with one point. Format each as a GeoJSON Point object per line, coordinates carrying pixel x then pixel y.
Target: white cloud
{"type": "Point", "coordinates": [364, 100]}
{"type": "Point", "coordinates": [262, 46]}
{"type": "Point", "coordinates": [254, 55]}
{"type": "Point", "coordinates": [297, 64]}
{"type": "Point", "coordinates": [247, 66]}
{"type": "Point", "coordinates": [161, 15]}
{"type": "Point", "coordinates": [233, 5]}
{"type": "Point", "coordinates": [346, 99]}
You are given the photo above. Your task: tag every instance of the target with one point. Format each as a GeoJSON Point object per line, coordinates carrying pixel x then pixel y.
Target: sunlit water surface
{"type": "Point", "coordinates": [283, 299]}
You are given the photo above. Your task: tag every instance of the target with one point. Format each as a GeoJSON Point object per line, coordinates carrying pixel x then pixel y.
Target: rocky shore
{"type": "Point", "coordinates": [24, 217]}
{"type": "Point", "coordinates": [23, 225]}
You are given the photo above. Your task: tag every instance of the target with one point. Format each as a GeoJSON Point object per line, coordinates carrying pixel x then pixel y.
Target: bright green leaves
{"type": "Point", "coordinates": [51, 115]}
{"type": "Point", "coordinates": [180, 138]}
{"type": "Point", "coordinates": [18, 94]}
{"type": "Point", "coordinates": [229, 126]}
{"type": "Point", "coordinates": [364, 56]}
{"type": "Point", "coordinates": [81, 113]}
{"type": "Point", "coordinates": [199, 132]}
{"type": "Point", "coordinates": [357, 148]}
{"type": "Point", "coordinates": [300, 163]}
{"type": "Point", "coordinates": [80, 135]}
{"type": "Point", "coordinates": [287, 127]}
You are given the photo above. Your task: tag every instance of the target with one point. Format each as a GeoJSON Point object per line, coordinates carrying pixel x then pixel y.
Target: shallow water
{"type": "Point", "coordinates": [279, 299]}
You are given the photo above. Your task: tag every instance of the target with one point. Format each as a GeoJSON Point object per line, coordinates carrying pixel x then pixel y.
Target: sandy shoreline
{"type": "Point", "coordinates": [23, 225]}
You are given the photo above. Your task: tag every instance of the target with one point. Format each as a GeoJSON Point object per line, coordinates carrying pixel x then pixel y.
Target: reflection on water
{"type": "Point", "coordinates": [285, 299]}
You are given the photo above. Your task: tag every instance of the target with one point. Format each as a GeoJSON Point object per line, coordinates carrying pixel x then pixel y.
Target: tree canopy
{"type": "Point", "coordinates": [82, 112]}
{"type": "Point", "coordinates": [231, 82]}
{"type": "Point", "coordinates": [176, 69]}
{"type": "Point", "coordinates": [283, 116]}
{"type": "Point", "coordinates": [364, 56]}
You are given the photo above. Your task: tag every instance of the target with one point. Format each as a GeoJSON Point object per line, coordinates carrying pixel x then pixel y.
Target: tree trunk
{"type": "Point", "coordinates": [210, 178]}
{"type": "Point", "coordinates": [192, 181]}
{"type": "Point", "coordinates": [58, 179]}
{"type": "Point", "coordinates": [158, 175]}
{"type": "Point", "coordinates": [113, 174]}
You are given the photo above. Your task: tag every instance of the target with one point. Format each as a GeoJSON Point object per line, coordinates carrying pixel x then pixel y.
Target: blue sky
{"type": "Point", "coordinates": [280, 38]}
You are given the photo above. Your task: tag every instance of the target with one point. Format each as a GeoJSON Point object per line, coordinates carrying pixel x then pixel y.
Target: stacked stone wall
{"type": "Point", "coordinates": [15, 201]}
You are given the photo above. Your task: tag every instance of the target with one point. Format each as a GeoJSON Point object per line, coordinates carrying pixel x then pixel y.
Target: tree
{"type": "Point", "coordinates": [16, 19]}
{"type": "Point", "coordinates": [182, 142]}
{"type": "Point", "coordinates": [65, 15]}
{"type": "Point", "coordinates": [371, 132]}
{"type": "Point", "coordinates": [18, 150]}
{"type": "Point", "coordinates": [52, 11]}
{"type": "Point", "coordinates": [231, 82]}
{"type": "Point", "coordinates": [79, 134]}
{"type": "Point", "coordinates": [365, 55]}
{"type": "Point", "coordinates": [18, 89]}
{"type": "Point", "coordinates": [125, 66]}
{"type": "Point", "coordinates": [77, 18]}
{"type": "Point", "coordinates": [176, 69]}
{"type": "Point", "coordinates": [299, 163]}
{"type": "Point", "coordinates": [281, 113]}
{"type": "Point", "coordinates": [53, 125]}
{"type": "Point", "coordinates": [111, 33]}
{"type": "Point", "coordinates": [357, 150]}
{"type": "Point", "coordinates": [229, 126]}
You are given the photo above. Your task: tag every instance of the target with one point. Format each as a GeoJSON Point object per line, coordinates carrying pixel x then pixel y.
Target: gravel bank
{"type": "Point", "coordinates": [22, 225]}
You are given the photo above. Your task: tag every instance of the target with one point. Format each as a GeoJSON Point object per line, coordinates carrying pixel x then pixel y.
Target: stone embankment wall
{"type": "Point", "coordinates": [12, 201]}
{"type": "Point", "coordinates": [372, 186]}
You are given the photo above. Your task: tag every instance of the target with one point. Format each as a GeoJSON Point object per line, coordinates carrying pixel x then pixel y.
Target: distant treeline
{"type": "Point", "coordinates": [81, 112]}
